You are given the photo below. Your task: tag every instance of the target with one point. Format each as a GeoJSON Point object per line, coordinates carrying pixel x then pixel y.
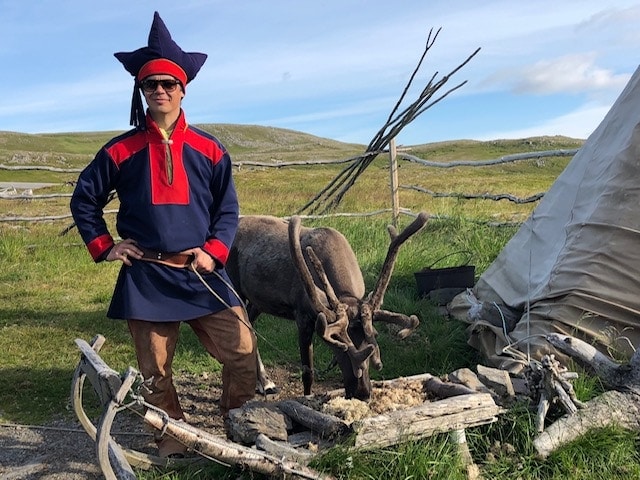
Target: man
{"type": "Point", "coordinates": [177, 220]}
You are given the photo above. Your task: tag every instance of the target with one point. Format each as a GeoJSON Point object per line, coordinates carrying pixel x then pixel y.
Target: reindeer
{"type": "Point", "coordinates": [269, 268]}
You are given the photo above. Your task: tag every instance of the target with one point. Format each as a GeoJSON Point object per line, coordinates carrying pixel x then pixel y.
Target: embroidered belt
{"type": "Point", "coordinates": [179, 260]}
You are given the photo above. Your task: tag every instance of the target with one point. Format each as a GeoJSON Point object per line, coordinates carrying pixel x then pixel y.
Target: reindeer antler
{"type": "Point", "coordinates": [377, 295]}
{"type": "Point", "coordinates": [305, 275]}
{"type": "Point", "coordinates": [322, 275]}
{"type": "Point", "coordinates": [335, 332]}
{"type": "Point", "coordinates": [332, 323]}
{"type": "Point", "coordinates": [370, 334]}
{"type": "Point", "coordinates": [408, 323]}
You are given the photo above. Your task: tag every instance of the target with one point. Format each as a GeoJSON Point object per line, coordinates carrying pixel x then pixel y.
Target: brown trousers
{"type": "Point", "coordinates": [228, 339]}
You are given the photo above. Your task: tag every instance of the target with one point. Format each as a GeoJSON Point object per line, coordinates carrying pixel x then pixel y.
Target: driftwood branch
{"type": "Point", "coordinates": [24, 196]}
{"type": "Point", "coordinates": [43, 218]}
{"type": "Point", "coordinates": [610, 408]}
{"type": "Point", "coordinates": [331, 195]}
{"type": "Point", "coordinates": [480, 196]}
{"type": "Point", "coordinates": [293, 163]}
{"type": "Point", "coordinates": [40, 167]}
{"type": "Point", "coordinates": [619, 406]}
{"type": "Point", "coordinates": [516, 157]}
{"type": "Point", "coordinates": [624, 377]}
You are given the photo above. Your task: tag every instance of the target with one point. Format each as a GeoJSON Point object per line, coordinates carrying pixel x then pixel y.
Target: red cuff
{"type": "Point", "coordinates": [99, 245]}
{"type": "Point", "coordinates": [217, 250]}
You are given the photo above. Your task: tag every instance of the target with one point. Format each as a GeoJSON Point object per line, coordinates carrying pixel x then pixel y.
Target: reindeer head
{"type": "Point", "coordinates": [347, 324]}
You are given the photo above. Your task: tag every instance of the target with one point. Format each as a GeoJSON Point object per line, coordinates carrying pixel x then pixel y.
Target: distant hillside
{"type": "Point", "coordinates": [482, 150]}
{"type": "Point", "coordinates": [258, 143]}
{"type": "Point", "coordinates": [244, 142]}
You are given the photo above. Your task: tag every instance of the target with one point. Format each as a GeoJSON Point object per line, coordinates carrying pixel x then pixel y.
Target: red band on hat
{"type": "Point", "coordinates": [162, 66]}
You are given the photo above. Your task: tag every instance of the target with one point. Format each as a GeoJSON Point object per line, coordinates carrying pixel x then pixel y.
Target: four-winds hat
{"type": "Point", "coordinates": [162, 55]}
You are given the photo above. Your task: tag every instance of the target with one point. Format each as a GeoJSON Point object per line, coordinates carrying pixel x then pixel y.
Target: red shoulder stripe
{"type": "Point", "coordinates": [127, 147]}
{"type": "Point", "coordinates": [204, 145]}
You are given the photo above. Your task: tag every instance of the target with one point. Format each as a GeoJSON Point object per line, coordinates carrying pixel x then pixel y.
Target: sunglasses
{"type": "Point", "coordinates": [150, 86]}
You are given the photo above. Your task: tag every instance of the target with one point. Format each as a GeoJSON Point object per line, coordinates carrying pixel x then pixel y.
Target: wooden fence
{"type": "Point", "coordinates": [12, 193]}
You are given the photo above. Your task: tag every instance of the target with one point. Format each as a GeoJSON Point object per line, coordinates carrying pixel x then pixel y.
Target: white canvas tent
{"type": "Point", "coordinates": [574, 265]}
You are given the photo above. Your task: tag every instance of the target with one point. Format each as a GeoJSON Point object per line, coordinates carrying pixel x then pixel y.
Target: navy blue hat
{"type": "Point", "coordinates": [162, 55]}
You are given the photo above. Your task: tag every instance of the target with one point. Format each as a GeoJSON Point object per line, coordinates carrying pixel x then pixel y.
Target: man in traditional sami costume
{"type": "Point", "coordinates": [177, 220]}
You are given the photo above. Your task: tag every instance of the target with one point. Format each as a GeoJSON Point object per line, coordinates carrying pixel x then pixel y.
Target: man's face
{"type": "Point", "coordinates": [162, 99]}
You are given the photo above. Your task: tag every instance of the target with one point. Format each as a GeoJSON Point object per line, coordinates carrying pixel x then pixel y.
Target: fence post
{"type": "Point", "coordinates": [393, 169]}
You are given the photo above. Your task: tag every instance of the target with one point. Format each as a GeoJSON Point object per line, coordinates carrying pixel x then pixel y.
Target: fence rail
{"type": "Point", "coordinates": [12, 194]}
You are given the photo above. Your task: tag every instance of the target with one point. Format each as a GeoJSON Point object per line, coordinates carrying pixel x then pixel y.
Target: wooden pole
{"type": "Point", "coordinates": [393, 169]}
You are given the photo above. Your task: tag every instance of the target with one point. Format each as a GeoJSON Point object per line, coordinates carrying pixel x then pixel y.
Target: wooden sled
{"type": "Point", "coordinates": [115, 460]}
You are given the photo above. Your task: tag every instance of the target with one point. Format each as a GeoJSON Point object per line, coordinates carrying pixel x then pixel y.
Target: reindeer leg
{"type": "Point", "coordinates": [305, 342]}
{"type": "Point", "coordinates": [264, 385]}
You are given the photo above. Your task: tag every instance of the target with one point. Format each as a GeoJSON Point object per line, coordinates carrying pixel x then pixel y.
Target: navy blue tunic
{"type": "Point", "coordinates": [174, 195]}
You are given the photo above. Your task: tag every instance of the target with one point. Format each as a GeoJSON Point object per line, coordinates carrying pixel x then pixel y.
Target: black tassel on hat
{"type": "Point", "coordinates": [138, 114]}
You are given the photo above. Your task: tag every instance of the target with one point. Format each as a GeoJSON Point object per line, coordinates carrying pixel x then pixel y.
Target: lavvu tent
{"type": "Point", "coordinates": [574, 266]}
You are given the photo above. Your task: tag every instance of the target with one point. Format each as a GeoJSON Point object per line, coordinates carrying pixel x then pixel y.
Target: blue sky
{"type": "Point", "coordinates": [330, 68]}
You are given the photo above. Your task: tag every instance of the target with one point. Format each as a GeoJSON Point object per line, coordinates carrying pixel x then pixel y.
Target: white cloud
{"type": "Point", "coordinates": [567, 74]}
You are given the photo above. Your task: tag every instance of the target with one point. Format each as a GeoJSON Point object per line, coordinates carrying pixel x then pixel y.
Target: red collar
{"type": "Point", "coordinates": [154, 135]}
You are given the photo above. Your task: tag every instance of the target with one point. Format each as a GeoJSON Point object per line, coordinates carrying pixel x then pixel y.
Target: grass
{"type": "Point", "coordinates": [51, 292]}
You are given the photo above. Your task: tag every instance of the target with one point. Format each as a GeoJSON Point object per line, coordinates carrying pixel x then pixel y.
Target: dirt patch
{"type": "Point", "coordinates": [62, 450]}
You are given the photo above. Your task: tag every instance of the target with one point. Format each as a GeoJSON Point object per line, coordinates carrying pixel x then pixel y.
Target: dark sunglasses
{"type": "Point", "coordinates": [151, 85]}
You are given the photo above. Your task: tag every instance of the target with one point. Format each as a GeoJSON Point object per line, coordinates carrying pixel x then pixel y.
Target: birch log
{"type": "Point", "coordinates": [231, 453]}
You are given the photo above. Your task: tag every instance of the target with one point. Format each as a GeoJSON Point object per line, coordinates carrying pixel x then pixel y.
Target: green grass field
{"type": "Point", "coordinates": [51, 292]}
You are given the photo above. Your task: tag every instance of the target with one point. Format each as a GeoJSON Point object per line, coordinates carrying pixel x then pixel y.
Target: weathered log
{"type": "Point", "coordinates": [622, 377]}
{"type": "Point", "coordinates": [283, 450]}
{"type": "Point", "coordinates": [446, 389]}
{"type": "Point", "coordinates": [619, 406]}
{"type": "Point", "coordinates": [327, 426]}
{"type": "Point", "coordinates": [456, 413]}
{"type": "Point", "coordinates": [253, 419]}
{"type": "Point", "coordinates": [610, 408]}
{"type": "Point", "coordinates": [230, 452]}
{"type": "Point", "coordinates": [305, 437]}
